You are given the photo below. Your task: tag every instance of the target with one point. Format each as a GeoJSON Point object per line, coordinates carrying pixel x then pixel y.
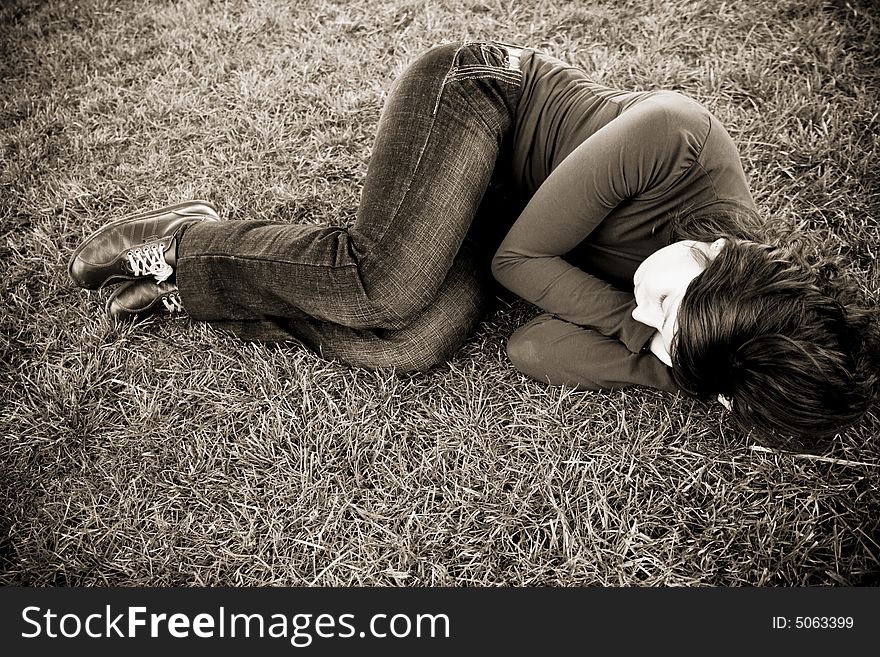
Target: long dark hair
{"type": "Point", "coordinates": [767, 327]}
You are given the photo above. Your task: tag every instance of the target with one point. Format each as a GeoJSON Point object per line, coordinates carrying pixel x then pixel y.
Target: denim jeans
{"type": "Point", "coordinates": [407, 283]}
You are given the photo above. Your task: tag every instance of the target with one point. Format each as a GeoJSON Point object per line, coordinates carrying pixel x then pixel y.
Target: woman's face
{"type": "Point", "coordinates": [659, 286]}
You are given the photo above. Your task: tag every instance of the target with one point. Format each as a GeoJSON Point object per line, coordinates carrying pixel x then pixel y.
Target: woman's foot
{"type": "Point", "coordinates": [139, 299]}
{"type": "Point", "coordinates": [138, 245]}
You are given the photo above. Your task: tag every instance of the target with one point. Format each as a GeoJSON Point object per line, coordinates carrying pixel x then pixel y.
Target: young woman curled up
{"type": "Point", "coordinates": [632, 228]}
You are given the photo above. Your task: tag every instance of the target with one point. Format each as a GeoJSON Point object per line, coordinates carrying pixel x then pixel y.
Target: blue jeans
{"type": "Point", "coordinates": [407, 284]}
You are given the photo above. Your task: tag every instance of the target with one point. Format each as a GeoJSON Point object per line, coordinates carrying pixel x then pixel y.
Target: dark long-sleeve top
{"type": "Point", "coordinates": [606, 171]}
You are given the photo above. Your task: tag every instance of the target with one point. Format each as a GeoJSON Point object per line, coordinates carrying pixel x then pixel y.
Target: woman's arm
{"type": "Point", "coordinates": [641, 152]}
{"type": "Point", "coordinates": [560, 353]}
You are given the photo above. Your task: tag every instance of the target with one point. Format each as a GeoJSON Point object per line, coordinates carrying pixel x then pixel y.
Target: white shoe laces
{"type": "Point", "coordinates": [172, 302]}
{"type": "Point", "coordinates": [149, 260]}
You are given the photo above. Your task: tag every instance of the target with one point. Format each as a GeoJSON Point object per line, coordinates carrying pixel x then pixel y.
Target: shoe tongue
{"type": "Point", "coordinates": [171, 252]}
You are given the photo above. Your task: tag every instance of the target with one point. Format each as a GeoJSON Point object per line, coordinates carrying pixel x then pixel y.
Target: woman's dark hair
{"type": "Point", "coordinates": [761, 327]}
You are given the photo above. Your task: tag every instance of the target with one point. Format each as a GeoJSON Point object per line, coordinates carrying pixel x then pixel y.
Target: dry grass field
{"type": "Point", "coordinates": [169, 454]}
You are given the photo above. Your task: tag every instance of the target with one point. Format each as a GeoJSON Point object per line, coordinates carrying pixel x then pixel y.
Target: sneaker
{"type": "Point", "coordinates": [138, 299]}
{"type": "Point", "coordinates": [135, 246]}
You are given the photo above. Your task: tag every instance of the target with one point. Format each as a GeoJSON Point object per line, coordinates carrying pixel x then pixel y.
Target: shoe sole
{"type": "Point", "coordinates": [134, 217]}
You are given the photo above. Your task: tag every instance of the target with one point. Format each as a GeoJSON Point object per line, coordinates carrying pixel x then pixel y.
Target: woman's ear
{"type": "Point", "coordinates": [716, 246]}
{"type": "Point", "coordinates": [711, 249]}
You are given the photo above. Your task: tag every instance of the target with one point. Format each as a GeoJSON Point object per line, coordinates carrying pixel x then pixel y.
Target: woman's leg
{"type": "Point", "coordinates": [435, 152]}
{"type": "Point", "coordinates": [429, 339]}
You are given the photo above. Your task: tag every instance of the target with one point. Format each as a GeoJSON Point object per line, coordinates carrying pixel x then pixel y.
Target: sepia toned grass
{"type": "Point", "coordinates": [166, 453]}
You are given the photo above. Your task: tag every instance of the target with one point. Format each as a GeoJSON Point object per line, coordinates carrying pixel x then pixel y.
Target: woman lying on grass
{"type": "Point", "coordinates": [635, 232]}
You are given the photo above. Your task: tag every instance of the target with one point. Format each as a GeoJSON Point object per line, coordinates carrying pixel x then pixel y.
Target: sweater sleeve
{"type": "Point", "coordinates": [643, 151]}
{"type": "Point", "coordinates": [557, 352]}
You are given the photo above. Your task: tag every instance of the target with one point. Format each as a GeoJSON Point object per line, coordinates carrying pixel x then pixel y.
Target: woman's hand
{"type": "Point", "coordinates": [658, 349]}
